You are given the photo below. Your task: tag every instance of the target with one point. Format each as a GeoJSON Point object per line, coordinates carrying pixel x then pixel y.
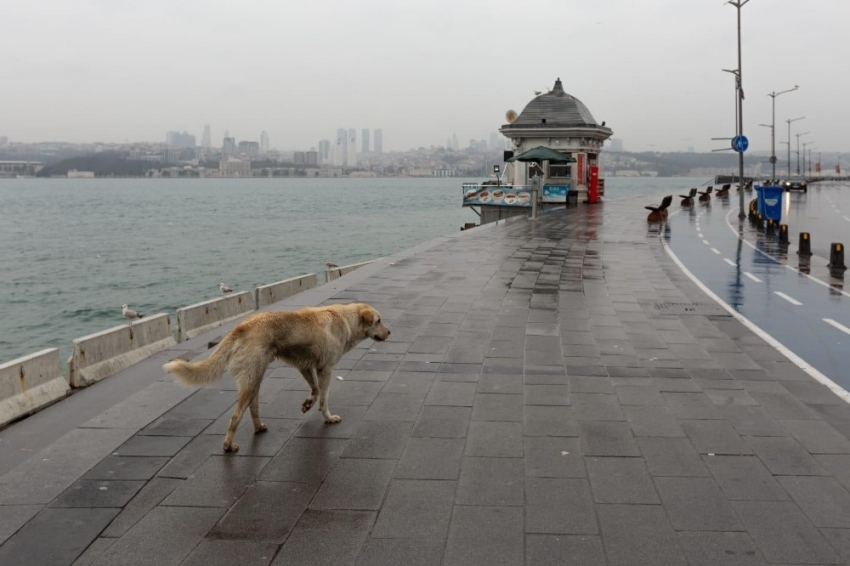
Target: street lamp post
{"type": "Point", "coordinates": [739, 76]}
{"type": "Point", "coordinates": [798, 149]}
{"type": "Point", "coordinates": [789, 120]}
{"type": "Point", "coordinates": [804, 156]}
{"type": "Point", "coordinates": [773, 96]}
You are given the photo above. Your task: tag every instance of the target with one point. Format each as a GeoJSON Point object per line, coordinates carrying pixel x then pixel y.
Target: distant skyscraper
{"type": "Point", "coordinates": [249, 148]}
{"type": "Point", "coordinates": [448, 143]}
{"type": "Point", "coordinates": [341, 148]}
{"type": "Point", "coordinates": [206, 141]}
{"type": "Point", "coordinates": [494, 141]}
{"type": "Point", "coordinates": [352, 147]}
{"type": "Point", "coordinates": [364, 140]}
{"type": "Point", "coordinates": [264, 142]}
{"type": "Point", "coordinates": [176, 139]}
{"type": "Point", "coordinates": [379, 140]}
{"type": "Point", "coordinates": [324, 153]}
{"type": "Point", "coordinates": [454, 142]}
{"type": "Point", "coordinates": [228, 146]}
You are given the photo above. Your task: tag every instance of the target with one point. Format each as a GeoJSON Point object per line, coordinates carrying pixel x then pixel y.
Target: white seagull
{"type": "Point", "coordinates": [224, 289]}
{"type": "Point", "coordinates": [331, 264]}
{"type": "Point", "coordinates": [130, 314]}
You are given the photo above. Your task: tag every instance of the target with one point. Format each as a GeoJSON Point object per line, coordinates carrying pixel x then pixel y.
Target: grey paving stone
{"type": "Point", "coordinates": [168, 426]}
{"type": "Point", "coordinates": [431, 458]}
{"type": "Point", "coordinates": [638, 535]}
{"type": "Point", "coordinates": [785, 457]}
{"type": "Point", "coordinates": [559, 506]}
{"type": "Point", "coordinates": [838, 466]}
{"type": "Point", "coordinates": [752, 421]}
{"type": "Point", "coordinates": [818, 437]}
{"type": "Point", "coordinates": [314, 425]}
{"type": "Point", "coordinates": [494, 439]}
{"type": "Point", "coordinates": [416, 509]}
{"type": "Point", "coordinates": [840, 541]}
{"type": "Point", "coordinates": [203, 404]}
{"type": "Point", "coordinates": [596, 407]}
{"type": "Point", "coordinates": [696, 504]}
{"type": "Point", "coordinates": [485, 536]}
{"type": "Point", "coordinates": [13, 517]}
{"type": "Point", "coordinates": [671, 457]}
{"type": "Point", "coordinates": [783, 533]}
{"type": "Point", "coordinates": [355, 484]}
{"type": "Point", "coordinates": [602, 438]}
{"type": "Point", "coordinates": [620, 480]}
{"type": "Point", "coordinates": [410, 382]}
{"type": "Point", "coordinates": [633, 395]}
{"type": "Point", "coordinates": [442, 422]}
{"type": "Point", "coordinates": [491, 481]}
{"type": "Point", "coordinates": [146, 499]}
{"type": "Point", "coordinates": [652, 421]}
{"type": "Point", "coordinates": [410, 552]}
{"type": "Point", "coordinates": [451, 394]}
{"type": "Point", "coordinates": [542, 420]}
{"type": "Point", "coordinates": [426, 344]}
{"type": "Point", "coordinates": [127, 468]}
{"type": "Point", "coordinates": [347, 529]}
{"type": "Point", "coordinates": [94, 551]}
{"type": "Point", "coordinates": [55, 536]}
{"type": "Point", "coordinates": [553, 457]}
{"type": "Point", "coordinates": [715, 437]}
{"type": "Point", "coordinates": [783, 405]}
{"type": "Point", "coordinates": [268, 443]}
{"type": "Point", "coordinates": [98, 493]}
{"type": "Point", "coordinates": [268, 511]}
{"type": "Point", "coordinates": [715, 549]}
{"type": "Point", "coordinates": [393, 407]}
{"type": "Point", "coordinates": [366, 375]}
{"type": "Point", "coordinates": [497, 407]}
{"type": "Point", "coordinates": [192, 456]}
{"type": "Point", "coordinates": [229, 552]}
{"type": "Point", "coordinates": [551, 550]}
{"type": "Point", "coordinates": [546, 394]}
{"type": "Point", "coordinates": [744, 478]}
{"type": "Point", "coordinates": [152, 446]}
{"type": "Point", "coordinates": [580, 384]}
{"type": "Point", "coordinates": [218, 482]}
{"type": "Point", "coordinates": [355, 392]}
{"type": "Point", "coordinates": [500, 383]}
{"type": "Point", "coordinates": [691, 406]}
{"type": "Point", "coordinates": [378, 439]}
{"type": "Point", "coordinates": [304, 460]}
{"type": "Point", "coordinates": [823, 499]}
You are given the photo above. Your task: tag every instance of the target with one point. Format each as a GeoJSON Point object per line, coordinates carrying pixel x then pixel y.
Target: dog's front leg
{"type": "Point", "coordinates": [324, 375]}
{"type": "Point", "coordinates": [310, 378]}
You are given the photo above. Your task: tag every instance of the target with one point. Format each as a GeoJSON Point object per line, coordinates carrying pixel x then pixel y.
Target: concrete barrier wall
{"type": "Point", "coordinates": [338, 272]}
{"type": "Point", "coordinates": [274, 292]}
{"type": "Point", "coordinates": [198, 318]}
{"type": "Point", "coordinates": [106, 353]}
{"type": "Point", "coordinates": [29, 383]}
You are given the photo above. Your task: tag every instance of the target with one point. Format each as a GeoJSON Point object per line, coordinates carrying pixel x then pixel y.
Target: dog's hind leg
{"type": "Point", "coordinates": [324, 375]}
{"type": "Point", "coordinates": [310, 378]}
{"type": "Point", "coordinates": [242, 402]}
{"type": "Point", "coordinates": [259, 426]}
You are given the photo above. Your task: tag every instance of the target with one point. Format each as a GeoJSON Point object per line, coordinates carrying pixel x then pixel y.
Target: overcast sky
{"type": "Point", "coordinates": [120, 70]}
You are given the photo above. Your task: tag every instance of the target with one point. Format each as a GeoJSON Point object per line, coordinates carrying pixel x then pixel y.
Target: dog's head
{"type": "Point", "coordinates": [372, 325]}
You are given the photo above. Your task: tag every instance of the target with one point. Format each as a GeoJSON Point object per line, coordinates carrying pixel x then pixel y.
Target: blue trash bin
{"type": "Point", "coordinates": [772, 197]}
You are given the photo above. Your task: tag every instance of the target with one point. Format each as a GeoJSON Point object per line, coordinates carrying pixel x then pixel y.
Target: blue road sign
{"type": "Point", "coordinates": [740, 143]}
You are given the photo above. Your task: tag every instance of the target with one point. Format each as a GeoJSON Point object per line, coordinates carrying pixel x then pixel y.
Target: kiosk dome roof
{"type": "Point", "coordinates": [554, 108]}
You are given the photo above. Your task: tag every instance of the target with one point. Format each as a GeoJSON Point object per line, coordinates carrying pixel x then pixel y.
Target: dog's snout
{"type": "Point", "coordinates": [389, 332]}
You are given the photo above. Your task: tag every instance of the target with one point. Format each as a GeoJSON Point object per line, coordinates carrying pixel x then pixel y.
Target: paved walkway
{"type": "Point", "coordinates": [544, 399]}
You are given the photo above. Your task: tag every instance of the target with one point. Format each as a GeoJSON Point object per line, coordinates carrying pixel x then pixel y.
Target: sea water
{"type": "Point", "coordinates": [72, 251]}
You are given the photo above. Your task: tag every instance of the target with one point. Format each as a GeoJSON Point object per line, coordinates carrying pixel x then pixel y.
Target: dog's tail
{"type": "Point", "coordinates": [203, 372]}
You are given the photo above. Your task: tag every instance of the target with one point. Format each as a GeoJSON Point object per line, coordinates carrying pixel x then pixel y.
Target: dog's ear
{"type": "Point", "coordinates": [367, 315]}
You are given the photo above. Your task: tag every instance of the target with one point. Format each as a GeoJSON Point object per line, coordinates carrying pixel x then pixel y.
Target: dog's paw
{"type": "Point", "coordinates": [231, 448]}
{"type": "Point", "coordinates": [305, 406]}
{"type": "Point", "coordinates": [262, 428]}
{"type": "Point", "coordinates": [333, 419]}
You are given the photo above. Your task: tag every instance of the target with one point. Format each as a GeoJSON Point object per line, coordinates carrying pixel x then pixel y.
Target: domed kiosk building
{"type": "Point", "coordinates": [554, 159]}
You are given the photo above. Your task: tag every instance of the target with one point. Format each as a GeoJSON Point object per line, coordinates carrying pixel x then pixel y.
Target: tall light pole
{"type": "Point", "coordinates": [804, 156]}
{"type": "Point", "coordinates": [798, 149]}
{"type": "Point", "coordinates": [739, 76]}
{"type": "Point", "coordinates": [789, 120]}
{"type": "Point", "coordinates": [773, 96]}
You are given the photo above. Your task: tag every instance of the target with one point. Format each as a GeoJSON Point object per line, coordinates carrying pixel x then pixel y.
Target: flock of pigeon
{"type": "Point", "coordinates": [132, 315]}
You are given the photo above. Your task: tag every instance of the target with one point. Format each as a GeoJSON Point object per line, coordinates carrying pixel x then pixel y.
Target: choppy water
{"type": "Point", "coordinates": [74, 250]}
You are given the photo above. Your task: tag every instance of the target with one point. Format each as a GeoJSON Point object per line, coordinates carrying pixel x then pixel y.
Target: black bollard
{"type": "Point", "coordinates": [805, 244]}
{"type": "Point", "coordinates": [836, 257]}
{"type": "Point", "coordinates": [771, 226]}
{"type": "Point", "coordinates": [783, 234]}
{"type": "Point", "coordinates": [760, 223]}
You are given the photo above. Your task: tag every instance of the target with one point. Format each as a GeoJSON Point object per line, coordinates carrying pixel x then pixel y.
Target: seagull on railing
{"type": "Point", "coordinates": [331, 265]}
{"type": "Point", "coordinates": [130, 314]}
{"type": "Point", "coordinates": [224, 289]}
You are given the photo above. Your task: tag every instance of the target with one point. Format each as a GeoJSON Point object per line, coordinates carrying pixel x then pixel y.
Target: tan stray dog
{"type": "Point", "coordinates": [311, 339]}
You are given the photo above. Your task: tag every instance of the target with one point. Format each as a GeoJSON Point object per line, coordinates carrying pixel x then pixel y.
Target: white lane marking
{"type": "Point", "coordinates": [791, 300]}
{"type": "Point", "coordinates": [706, 242]}
{"type": "Point", "coordinates": [753, 277]}
{"type": "Point", "coordinates": [715, 250]}
{"type": "Point", "coordinates": [794, 269]}
{"type": "Point", "coordinates": [780, 347]}
{"type": "Point", "coordinates": [729, 261]}
{"type": "Point", "coordinates": [837, 325]}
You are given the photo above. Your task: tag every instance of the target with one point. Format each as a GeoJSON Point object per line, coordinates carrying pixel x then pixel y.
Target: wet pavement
{"type": "Point", "coordinates": [553, 392]}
